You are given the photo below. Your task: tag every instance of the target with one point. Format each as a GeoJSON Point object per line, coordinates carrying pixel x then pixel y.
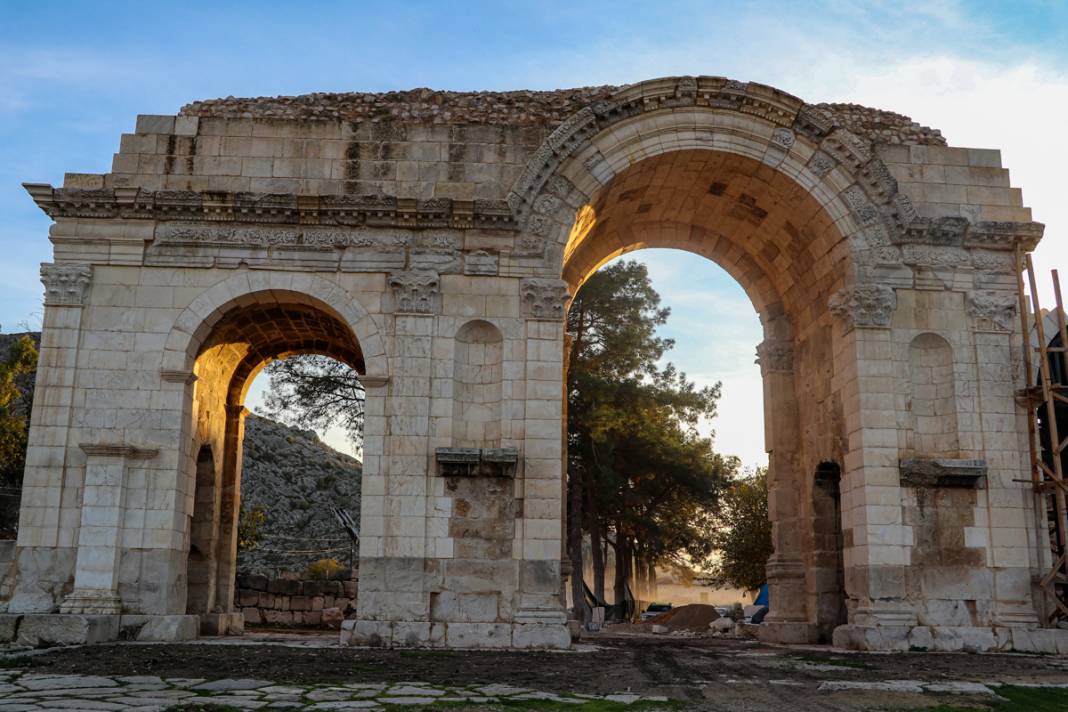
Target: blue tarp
{"type": "Point", "coordinates": [762, 597]}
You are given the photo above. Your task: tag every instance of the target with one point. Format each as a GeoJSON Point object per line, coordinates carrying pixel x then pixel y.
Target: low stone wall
{"type": "Point", "coordinates": [286, 602]}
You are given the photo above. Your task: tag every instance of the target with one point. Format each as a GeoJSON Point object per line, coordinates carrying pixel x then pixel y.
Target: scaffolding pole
{"type": "Point", "coordinates": [1047, 472]}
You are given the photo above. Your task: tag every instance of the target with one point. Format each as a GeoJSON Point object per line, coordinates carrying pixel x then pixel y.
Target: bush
{"type": "Point", "coordinates": [323, 570]}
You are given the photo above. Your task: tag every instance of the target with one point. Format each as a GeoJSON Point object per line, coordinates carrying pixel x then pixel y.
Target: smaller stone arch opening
{"type": "Point", "coordinates": [237, 342]}
{"type": "Point", "coordinates": [828, 580]}
{"type": "Point", "coordinates": [202, 562]}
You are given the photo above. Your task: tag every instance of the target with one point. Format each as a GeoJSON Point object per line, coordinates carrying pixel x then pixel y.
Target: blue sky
{"type": "Point", "coordinates": [74, 75]}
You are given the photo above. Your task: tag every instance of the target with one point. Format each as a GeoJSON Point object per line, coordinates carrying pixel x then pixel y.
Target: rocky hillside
{"type": "Point", "coordinates": [297, 481]}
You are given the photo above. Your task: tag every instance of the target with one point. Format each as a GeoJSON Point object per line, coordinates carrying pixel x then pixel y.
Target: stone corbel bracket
{"type": "Point", "coordinates": [477, 462]}
{"type": "Point", "coordinates": [943, 472]}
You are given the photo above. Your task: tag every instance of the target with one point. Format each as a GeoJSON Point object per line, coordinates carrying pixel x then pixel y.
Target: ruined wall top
{"type": "Point", "coordinates": [526, 108]}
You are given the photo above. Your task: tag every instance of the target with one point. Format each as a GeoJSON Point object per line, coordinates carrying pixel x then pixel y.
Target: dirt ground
{"type": "Point", "coordinates": [702, 673]}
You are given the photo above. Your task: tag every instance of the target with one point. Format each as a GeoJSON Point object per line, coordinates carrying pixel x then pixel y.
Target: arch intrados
{"type": "Point", "coordinates": [266, 331]}
{"type": "Point", "coordinates": [194, 325]}
{"type": "Point", "coordinates": [754, 221]}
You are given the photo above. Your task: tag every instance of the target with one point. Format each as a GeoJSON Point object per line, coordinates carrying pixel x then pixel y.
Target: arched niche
{"type": "Point", "coordinates": [932, 405]}
{"type": "Point", "coordinates": [478, 369]}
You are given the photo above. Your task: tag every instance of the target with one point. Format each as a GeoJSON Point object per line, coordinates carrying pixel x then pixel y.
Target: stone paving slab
{"type": "Point", "coordinates": [28, 692]}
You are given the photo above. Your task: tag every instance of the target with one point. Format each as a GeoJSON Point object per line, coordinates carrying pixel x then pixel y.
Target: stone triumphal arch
{"type": "Point", "coordinates": [432, 240]}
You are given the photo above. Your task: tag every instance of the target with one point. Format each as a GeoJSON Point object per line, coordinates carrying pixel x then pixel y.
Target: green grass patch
{"type": "Point", "coordinates": [20, 662]}
{"type": "Point", "coordinates": [1017, 699]}
{"type": "Point", "coordinates": [550, 706]}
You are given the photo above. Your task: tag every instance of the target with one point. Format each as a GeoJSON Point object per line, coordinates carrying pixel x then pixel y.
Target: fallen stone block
{"type": "Point", "coordinates": [39, 630]}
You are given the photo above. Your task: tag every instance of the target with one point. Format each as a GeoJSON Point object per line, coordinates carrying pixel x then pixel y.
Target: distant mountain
{"type": "Point", "coordinates": [297, 480]}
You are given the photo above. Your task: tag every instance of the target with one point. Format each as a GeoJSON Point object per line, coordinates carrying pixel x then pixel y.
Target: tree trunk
{"type": "Point", "coordinates": [574, 545]}
{"type": "Point", "coordinates": [637, 571]}
{"type": "Point", "coordinates": [650, 580]}
{"type": "Point", "coordinates": [620, 582]}
{"type": "Point", "coordinates": [598, 560]}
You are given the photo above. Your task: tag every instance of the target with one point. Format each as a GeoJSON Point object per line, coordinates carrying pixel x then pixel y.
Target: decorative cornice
{"type": "Point", "coordinates": [992, 311]}
{"type": "Point", "coordinates": [118, 450]}
{"type": "Point", "coordinates": [274, 208]}
{"type": "Point", "coordinates": [960, 232]}
{"type": "Point", "coordinates": [544, 298]}
{"type": "Point", "coordinates": [415, 291]}
{"type": "Point", "coordinates": [864, 305]}
{"type": "Point", "coordinates": [775, 356]}
{"type": "Point", "coordinates": [65, 285]}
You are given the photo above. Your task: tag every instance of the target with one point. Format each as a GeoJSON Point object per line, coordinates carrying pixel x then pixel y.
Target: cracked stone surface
{"type": "Point", "coordinates": [29, 692]}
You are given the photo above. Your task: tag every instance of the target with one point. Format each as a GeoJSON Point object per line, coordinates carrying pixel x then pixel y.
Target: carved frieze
{"type": "Point", "coordinates": [864, 305]}
{"type": "Point", "coordinates": [480, 262]}
{"type": "Point", "coordinates": [775, 356]}
{"type": "Point", "coordinates": [415, 291]}
{"type": "Point", "coordinates": [992, 311]}
{"type": "Point", "coordinates": [66, 285]}
{"type": "Point", "coordinates": [544, 298]}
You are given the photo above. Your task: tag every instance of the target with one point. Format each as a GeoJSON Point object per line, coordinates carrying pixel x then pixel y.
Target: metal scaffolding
{"type": "Point", "coordinates": [1047, 397]}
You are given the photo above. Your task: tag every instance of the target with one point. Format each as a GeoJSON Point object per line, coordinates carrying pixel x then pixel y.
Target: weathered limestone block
{"type": "Point", "coordinates": [44, 630]}
{"type": "Point", "coordinates": [9, 627]}
{"type": "Point", "coordinates": [479, 635]}
{"type": "Point", "coordinates": [533, 635]}
{"type": "Point", "coordinates": [45, 576]}
{"type": "Point", "coordinates": [159, 628]}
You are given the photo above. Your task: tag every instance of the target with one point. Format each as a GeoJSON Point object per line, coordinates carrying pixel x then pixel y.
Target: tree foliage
{"type": "Point", "coordinates": [649, 481]}
{"type": "Point", "coordinates": [17, 371]}
{"type": "Point", "coordinates": [316, 392]}
{"type": "Point", "coordinates": [742, 535]}
{"type": "Point", "coordinates": [250, 525]}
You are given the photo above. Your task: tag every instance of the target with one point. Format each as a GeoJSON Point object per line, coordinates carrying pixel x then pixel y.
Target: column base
{"type": "Point", "coordinates": [92, 602]}
{"type": "Point", "coordinates": [214, 624]}
{"type": "Point", "coordinates": [787, 632]}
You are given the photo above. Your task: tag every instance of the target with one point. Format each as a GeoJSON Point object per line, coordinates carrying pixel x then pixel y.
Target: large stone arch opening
{"type": "Point", "coordinates": [779, 243]}
{"type": "Point", "coordinates": [247, 335]}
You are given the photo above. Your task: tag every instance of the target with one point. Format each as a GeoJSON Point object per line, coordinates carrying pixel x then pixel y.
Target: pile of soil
{"type": "Point", "coordinates": [694, 617]}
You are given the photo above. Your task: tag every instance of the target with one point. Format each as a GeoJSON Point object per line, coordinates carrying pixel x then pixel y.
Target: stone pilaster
{"type": "Point", "coordinates": [786, 572]}
{"type": "Point", "coordinates": [96, 575]}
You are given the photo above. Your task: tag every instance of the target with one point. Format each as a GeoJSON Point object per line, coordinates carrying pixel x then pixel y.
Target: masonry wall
{"type": "Point", "coordinates": [287, 602]}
